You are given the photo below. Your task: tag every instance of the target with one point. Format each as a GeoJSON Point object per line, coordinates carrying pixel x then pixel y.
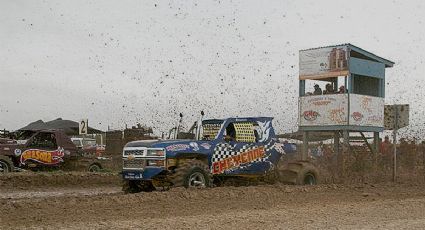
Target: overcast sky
{"type": "Point", "coordinates": [122, 62]}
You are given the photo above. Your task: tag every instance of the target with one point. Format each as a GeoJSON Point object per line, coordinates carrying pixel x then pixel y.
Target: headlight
{"type": "Point", "coordinates": [155, 153]}
{"type": "Point", "coordinates": [158, 163]}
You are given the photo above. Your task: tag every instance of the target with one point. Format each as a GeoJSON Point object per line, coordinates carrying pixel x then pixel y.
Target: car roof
{"type": "Point", "coordinates": [248, 119]}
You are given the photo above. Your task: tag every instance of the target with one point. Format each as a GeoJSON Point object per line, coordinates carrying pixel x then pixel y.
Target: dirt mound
{"type": "Point", "coordinates": [28, 180]}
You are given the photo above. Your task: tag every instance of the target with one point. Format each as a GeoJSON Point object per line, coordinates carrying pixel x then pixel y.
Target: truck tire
{"type": "Point", "coordinates": [6, 165]}
{"type": "Point", "coordinates": [298, 173]}
{"type": "Point", "coordinates": [136, 186]}
{"type": "Point", "coordinates": [192, 174]}
{"type": "Point", "coordinates": [94, 168]}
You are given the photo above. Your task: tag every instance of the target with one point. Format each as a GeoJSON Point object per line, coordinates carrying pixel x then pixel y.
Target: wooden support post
{"type": "Point", "coordinates": [395, 144]}
{"type": "Point", "coordinates": [335, 160]}
{"type": "Point", "coordinates": [371, 148]}
{"type": "Point", "coordinates": [376, 151]}
{"type": "Point", "coordinates": [336, 143]}
{"type": "Point", "coordinates": [305, 146]}
{"type": "Point", "coordinates": [376, 142]}
{"type": "Point", "coordinates": [345, 152]}
{"type": "Point", "coordinates": [302, 88]}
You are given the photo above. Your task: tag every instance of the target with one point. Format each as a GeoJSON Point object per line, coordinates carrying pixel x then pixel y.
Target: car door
{"type": "Point", "coordinates": [239, 152]}
{"type": "Point", "coordinates": [41, 149]}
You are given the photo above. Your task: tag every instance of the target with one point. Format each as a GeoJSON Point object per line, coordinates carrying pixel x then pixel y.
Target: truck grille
{"type": "Point", "coordinates": [134, 163]}
{"type": "Point", "coordinates": [135, 152]}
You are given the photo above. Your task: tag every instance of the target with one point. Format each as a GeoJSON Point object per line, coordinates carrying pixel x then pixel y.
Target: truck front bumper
{"type": "Point", "coordinates": [145, 174]}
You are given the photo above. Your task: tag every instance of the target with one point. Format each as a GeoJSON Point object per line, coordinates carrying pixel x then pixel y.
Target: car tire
{"type": "Point", "coordinates": [94, 168]}
{"type": "Point", "coordinates": [6, 165]}
{"type": "Point", "coordinates": [298, 173]}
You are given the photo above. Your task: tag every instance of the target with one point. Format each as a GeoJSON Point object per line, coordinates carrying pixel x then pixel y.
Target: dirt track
{"type": "Point", "coordinates": [258, 207]}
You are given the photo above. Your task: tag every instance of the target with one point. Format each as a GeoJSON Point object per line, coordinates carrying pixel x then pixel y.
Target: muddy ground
{"type": "Point", "coordinates": [94, 201]}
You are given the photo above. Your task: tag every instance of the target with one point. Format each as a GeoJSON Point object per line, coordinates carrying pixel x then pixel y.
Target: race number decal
{"type": "Point", "coordinates": [83, 126]}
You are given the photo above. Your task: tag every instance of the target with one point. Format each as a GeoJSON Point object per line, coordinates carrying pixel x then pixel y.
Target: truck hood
{"type": "Point", "coordinates": [9, 149]}
{"type": "Point", "coordinates": [156, 143]}
{"type": "Point", "coordinates": [11, 145]}
{"type": "Point", "coordinates": [7, 141]}
{"type": "Point", "coordinates": [174, 146]}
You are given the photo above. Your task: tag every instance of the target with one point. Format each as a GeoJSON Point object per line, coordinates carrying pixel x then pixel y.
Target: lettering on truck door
{"type": "Point", "coordinates": [241, 145]}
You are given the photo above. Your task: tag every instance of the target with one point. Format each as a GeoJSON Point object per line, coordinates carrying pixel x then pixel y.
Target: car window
{"type": "Point", "coordinates": [76, 142]}
{"type": "Point", "coordinates": [240, 132]}
{"type": "Point", "coordinates": [258, 132]}
{"type": "Point", "coordinates": [44, 141]}
{"type": "Point", "coordinates": [89, 142]}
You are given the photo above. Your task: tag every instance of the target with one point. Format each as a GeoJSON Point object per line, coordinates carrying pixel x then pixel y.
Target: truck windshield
{"type": "Point", "coordinates": [89, 142]}
{"type": "Point", "coordinates": [210, 131]}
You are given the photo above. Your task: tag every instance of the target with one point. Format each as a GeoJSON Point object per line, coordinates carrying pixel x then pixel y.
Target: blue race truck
{"type": "Point", "coordinates": [232, 149]}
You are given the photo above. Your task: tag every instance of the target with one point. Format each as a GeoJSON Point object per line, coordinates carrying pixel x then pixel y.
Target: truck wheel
{"type": "Point", "coordinates": [192, 174]}
{"type": "Point", "coordinates": [135, 186]}
{"type": "Point", "coordinates": [94, 168]}
{"type": "Point", "coordinates": [299, 173]}
{"type": "Point", "coordinates": [6, 165]}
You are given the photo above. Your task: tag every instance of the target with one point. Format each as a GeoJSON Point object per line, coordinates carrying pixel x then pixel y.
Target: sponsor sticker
{"type": "Point", "coordinates": [43, 156]}
{"type": "Point", "coordinates": [357, 116]}
{"type": "Point", "coordinates": [279, 147]}
{"type": "Point", "coordinates": [177, 147]}
{"type": "Point", "coordinates": [205, 145]}
{"type": "Point", "coordinates": [18, 152]}
{"type": "Point", "coordinates": [194, 145]}
{"type": "Point", "coordinates": [310, 115]}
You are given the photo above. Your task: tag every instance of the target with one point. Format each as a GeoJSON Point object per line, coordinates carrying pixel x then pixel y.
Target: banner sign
{"type": "Point", "coordinates": [324, 62]}
{"type": "Point", "coordinates": [324, 110]}
{"type": "Point", "coordinates": [366, 110]}
{"type": "Point", "coordinates": [390, 116]}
